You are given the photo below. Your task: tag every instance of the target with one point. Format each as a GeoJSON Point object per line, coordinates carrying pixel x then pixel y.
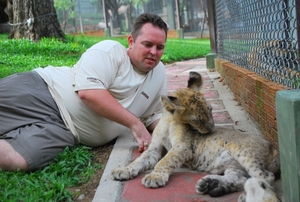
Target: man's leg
{"type": "Point", "coordinates": [32, 132]}
{"type": "Point", "coordinates": [10, 159]}
{"type": "Point", "coordinates": [38, 143]}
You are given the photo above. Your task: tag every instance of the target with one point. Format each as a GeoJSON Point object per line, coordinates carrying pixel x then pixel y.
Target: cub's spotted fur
{"type": "Point", "coordinates": [186, 130]}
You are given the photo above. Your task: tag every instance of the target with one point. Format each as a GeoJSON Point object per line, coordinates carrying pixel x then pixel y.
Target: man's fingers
{"type": "Point", "coordinates": [143, 147]}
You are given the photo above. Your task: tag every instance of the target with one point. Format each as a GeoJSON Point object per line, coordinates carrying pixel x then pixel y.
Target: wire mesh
{"type": "Point", "coordinates": [260, 36]}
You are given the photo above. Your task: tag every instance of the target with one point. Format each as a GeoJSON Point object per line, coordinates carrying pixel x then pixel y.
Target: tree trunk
{"type": "Point", "coordinates": [35, 19]}
{"type": "Point", "coordinates": [113, 6]}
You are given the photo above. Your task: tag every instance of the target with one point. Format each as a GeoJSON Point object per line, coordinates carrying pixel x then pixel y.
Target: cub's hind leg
{"type": "Point", "coordinates": [217, 185]}
{"type": "Point", "coordinates": [256, 165]}
{"type": "Point", "coordinates": [259, 157]}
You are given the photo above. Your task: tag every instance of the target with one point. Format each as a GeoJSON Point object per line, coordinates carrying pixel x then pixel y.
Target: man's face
{"type": "Point", "coordinates": [146, 50]}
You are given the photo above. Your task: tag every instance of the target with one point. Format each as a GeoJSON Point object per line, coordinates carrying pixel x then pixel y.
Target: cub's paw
{"type": "Point", "coordinates": [155, 179]}
{"type": "Point", "coordinates": [259, 190]}
{"type": "Point", "coordinates": [204, 185]}
{"type": "Point", "coordinates": [122, 174]}
{"type": "Point", "coordinates": [211, 186]}
{"type": "Point", "coordinates": [242, 198]}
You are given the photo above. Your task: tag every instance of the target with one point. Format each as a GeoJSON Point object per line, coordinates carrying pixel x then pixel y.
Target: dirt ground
{"type": "Point", "coordinates": [85, 192]}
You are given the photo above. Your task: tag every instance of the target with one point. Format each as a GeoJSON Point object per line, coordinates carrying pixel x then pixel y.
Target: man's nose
{"type": "Point", "coordinates": [153, 50]}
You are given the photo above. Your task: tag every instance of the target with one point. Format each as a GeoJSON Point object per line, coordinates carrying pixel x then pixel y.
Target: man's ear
{"type": "Point", "coordinates": [130, 40]}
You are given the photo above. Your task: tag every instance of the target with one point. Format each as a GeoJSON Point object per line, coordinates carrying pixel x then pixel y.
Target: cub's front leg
{"type": "Point", "coordinates": [146, 161]}
{"type": "Point", "coordinates": [175, 158]}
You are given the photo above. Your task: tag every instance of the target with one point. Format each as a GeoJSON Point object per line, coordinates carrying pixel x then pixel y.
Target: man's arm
{"type": "Point", "coordinates": [104, 104]}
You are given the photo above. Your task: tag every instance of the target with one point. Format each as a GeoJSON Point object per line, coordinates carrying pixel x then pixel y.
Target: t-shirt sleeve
{"type": "Point", "coordinates": [95, 70]}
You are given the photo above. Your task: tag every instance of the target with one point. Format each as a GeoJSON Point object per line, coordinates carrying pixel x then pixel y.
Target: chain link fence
{"type": "Point", "coordinates": [188, 15]}
{"type": "Point", "coordinates": [262, 36]}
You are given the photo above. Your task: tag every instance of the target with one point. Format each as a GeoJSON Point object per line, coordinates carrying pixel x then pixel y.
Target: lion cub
{"type": "Point", "coordinates": [186, 130]}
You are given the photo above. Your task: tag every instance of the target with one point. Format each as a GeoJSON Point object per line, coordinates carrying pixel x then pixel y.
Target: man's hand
{"type": "Point", "coordinates": [141, 135]}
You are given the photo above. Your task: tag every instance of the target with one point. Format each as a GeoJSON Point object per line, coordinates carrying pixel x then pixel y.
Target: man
{"type": "Point", "coordinates": [108, 90]}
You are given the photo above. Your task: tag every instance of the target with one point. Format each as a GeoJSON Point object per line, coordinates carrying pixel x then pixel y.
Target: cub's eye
{"type": "Point", "coordinates": [197, 119]}
{"type": "Point", "coordinates": [209, 107]}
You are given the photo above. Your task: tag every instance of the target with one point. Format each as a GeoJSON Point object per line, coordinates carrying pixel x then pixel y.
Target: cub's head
{"type": "Point", "coordinates": [189, 106]}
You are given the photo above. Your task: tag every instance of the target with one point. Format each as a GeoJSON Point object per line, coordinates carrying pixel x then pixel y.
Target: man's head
{"type": "Point", "coordinates": [147, 42]}
{"type": "Point", "coordinates": [144, 18]}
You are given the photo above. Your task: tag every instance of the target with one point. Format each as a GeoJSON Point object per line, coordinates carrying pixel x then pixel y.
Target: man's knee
{"type": "Point", "coordinates": [10, 159]}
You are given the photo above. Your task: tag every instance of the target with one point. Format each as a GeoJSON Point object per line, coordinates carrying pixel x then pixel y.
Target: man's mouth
{"type": "Point", "coordinates": [151, 59]}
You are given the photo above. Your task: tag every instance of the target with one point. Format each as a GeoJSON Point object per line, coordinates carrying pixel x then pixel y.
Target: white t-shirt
{"type": "Point", "coordinates": [105, 65]}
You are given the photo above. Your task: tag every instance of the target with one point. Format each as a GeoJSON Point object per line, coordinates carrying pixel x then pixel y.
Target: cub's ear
{"type": "Point", "coordinates": [171, 103]}
{"type": "Point", "coordinates": [195, 81]}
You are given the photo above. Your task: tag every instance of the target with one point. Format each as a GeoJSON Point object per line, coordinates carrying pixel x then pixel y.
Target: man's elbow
{"type": "Point", "coordinates": [82, 95]}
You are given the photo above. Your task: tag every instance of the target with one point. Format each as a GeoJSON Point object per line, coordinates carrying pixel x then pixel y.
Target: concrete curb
{"type": "Point", "coordinates": [108, 189]}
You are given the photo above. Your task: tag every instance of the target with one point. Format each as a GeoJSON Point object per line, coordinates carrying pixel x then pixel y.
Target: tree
{"type": "Point", "coordinates": [68, 9]}
{"type": "Point", "coordinates": [3, 14]}
{"type": "Point", "coordinates": [122, 7]}
{"type": "Point", "coordinates": [128, 13]}
{"type": "Point", "coordinates": [34, 19]}
{"type": "Point", "coordinates": [112, 6]}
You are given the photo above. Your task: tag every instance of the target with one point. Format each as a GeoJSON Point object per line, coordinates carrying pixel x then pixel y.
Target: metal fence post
{"type": "Point", "coordinates": [288, 114]}
{"type": "Point", "coordinates": [106, 29]}
{"type": "Point", "coordinates": [211, 25]}
{"type": "Point", "coordinates": [179, 29]}
{"type": "Point", "coordinates": [298, 29]}
{"type": "Point", "coordinates": [210, 58]}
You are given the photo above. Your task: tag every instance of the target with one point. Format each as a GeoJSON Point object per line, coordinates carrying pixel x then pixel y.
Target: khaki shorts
{"type": "Point", "coordinates": [30, 120]}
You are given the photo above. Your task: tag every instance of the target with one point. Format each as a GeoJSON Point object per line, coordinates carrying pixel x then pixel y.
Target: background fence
{"type": "Point", "coordinates": [262, 36]}
{"type": "Point", "coordinates": [188, 15]}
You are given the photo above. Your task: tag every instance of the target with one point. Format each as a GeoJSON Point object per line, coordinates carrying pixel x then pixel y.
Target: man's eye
{"type": "Point", "coordinates": [160, 48]}
{"type": "Point", "coordinates": [148, 45]}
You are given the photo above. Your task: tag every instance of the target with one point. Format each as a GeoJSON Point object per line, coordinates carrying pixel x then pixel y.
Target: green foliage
{"type": "Point", "coordinates": [136, 2]}
{"type": "Point", "coordinates": [70, 168]}
{"type": "Point", "coordinates": [73, 166]}
{"type": "Point", "coordinates": [65, 5]}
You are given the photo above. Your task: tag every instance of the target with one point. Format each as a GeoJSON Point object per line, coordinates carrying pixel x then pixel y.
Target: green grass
{"type": "Point", "coordinates": [24, 55]}
{"type": "Point", "coordinates": [185, 49]}
{"type": "Point", "coordinates": [73, 166]}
